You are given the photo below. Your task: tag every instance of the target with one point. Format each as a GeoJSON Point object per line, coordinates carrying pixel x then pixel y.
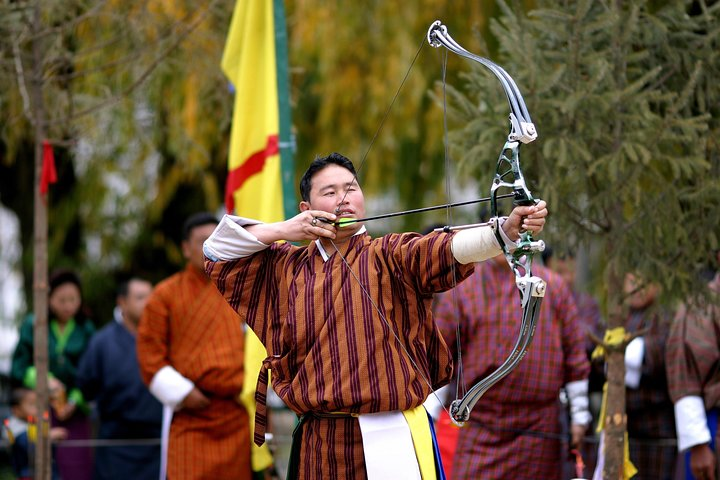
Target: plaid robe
{"type": "Point", "coordinates": [186, 324]}
{"type": "Point", "coordinates": [693, 353]}
{"type": "Point", "coordinates": [329, 350]}
{"type": "Point", "coordinates": [487, 308]}
{"type": "Point", "coordinates": [650, 412]}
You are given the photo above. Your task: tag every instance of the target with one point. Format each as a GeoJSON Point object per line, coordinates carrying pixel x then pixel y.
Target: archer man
{"type": "Point", "coordinates": [347, 322]}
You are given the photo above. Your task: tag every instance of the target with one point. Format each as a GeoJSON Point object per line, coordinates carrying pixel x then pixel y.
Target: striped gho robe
{"type": "Point", "coordinates": [493, 445]}
{"type": "Point", "coordinates": [329, 350]}
{"type": "Point", "coordinates": [188, 326]}
{"type": "Point", "coordinates": [693, 370]}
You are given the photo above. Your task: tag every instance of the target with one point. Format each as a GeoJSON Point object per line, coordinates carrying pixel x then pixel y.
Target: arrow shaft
{"type": "Point", "coordinates": [418, 210]}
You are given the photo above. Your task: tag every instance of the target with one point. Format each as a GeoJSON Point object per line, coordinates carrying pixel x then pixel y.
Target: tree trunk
{"type": "Point", "coordinates": [40, 269]}
{"type": "Point", "coordinates": [615, 421]}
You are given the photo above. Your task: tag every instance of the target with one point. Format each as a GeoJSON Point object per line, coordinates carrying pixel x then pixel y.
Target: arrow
{"type": "Point", "coordinates": [344, 222]}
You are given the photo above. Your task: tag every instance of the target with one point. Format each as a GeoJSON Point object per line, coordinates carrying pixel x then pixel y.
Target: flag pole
{"type": "Point", "coordinates": [286, 138]}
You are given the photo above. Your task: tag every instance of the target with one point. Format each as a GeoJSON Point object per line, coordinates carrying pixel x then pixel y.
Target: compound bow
{"type": "Point", "coordinates": [507, 175]}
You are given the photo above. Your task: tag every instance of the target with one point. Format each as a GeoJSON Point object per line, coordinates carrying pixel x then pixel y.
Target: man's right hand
{"type": "Point", "coordinates": [296, 229]}
{"type": "Point", "coordinates": [702, 462]}
{"type": "Point", "coordinates": [195, 400]}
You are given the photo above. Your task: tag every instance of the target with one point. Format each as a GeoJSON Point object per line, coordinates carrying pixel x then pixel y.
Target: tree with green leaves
{"type": "Point", "coordinates": [68, 69]}
{"type": "Point", "coordinates": [624, 98]}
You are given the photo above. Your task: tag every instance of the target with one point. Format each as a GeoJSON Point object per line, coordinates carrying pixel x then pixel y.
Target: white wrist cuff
{"type": "Point", "coordinates": [478, 244]}
{"type": "Point", "coordinates": [230, 240]}
{"type": "Point", "coordinates": [169, 387]}
{"type": "Point", "coordinates": [691, 422]}
{"type": "Point", "coordinates": [577, 393]}
{"type": "Point", "coordinates": [634, 354]}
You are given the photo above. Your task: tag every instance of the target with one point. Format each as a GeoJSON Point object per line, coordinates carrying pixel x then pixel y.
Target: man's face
{"type": "Point", "coordinates": [133, 304]}
{"type": "Point", "coordinates": [334, 189]}
{"type": "Point", "coordinates": [566, 268]}
{"type": "Point", "coordinates": [193, 246]}
{"type": "Point", "coordinates": [640, 295]}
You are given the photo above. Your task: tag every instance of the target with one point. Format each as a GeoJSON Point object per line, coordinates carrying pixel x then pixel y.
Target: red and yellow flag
{"type": "Point", "coordinates": [254, 184]}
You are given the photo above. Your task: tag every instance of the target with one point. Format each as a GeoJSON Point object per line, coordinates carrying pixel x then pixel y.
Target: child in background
{"type": "Point", "coordinates": [20, 430]}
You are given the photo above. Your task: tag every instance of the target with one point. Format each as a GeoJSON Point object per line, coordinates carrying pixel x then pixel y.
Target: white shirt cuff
{"type": "Point", "coordinates": [634, 354]}
{"type": "Point", "coordinates": [230, 240]}
{"type": "Point", "coordinates": [691, 422]}
{"type": "Point", "coordinates": [577, 393]}
{"type": "Point", "coordinates": [169, 387]}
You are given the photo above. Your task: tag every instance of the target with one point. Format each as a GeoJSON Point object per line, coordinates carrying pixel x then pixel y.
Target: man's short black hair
{"type": "Point", "coordinates": [123, 287]}
{"type": "Point", "coordinates": [318, 164]}
{"type": "Point", "coordinates": [197, 220]}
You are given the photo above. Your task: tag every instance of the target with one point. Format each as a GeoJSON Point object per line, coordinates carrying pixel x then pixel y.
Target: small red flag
{"type": "Point", "coordinates": [48, 175]}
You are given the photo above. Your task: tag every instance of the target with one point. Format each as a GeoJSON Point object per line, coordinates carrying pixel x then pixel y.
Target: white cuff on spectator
{"type": "Point", "coordinates": [478, 244]}
{"type": "Point", "coordinates": [169, 387]}
{"type": "Point", "coordinates": [577, 393]}
{"type": "Point", "coordinates": [634, 354]}
{"type": "Point", "coordinates": [230, 240]}
{"type": "Point", "coordinates": [691, 422]}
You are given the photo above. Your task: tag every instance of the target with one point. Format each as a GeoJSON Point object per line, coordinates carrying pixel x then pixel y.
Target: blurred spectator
{"type": "Point", "coordinates": [588, 308]}
{"type": "Point", "coordinates": [20, 431]}
{"type": "Point", "coordinates": [565, 264]}
{"type": "Point", "coordinates": [69, 332]}
{"type": "Point", "coordinates": [109, 373]}
{"type": "Point", "coordinates": [190, 348]}
{"type": "Point", "coordinates": [693, 362]}
{"type": "Point", "coordinates": [514, 430]}
{"type": "Point", "coordinates": [650, 417]}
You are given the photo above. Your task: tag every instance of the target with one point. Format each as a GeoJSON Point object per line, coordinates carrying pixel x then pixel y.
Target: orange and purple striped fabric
{"type": "Point", "coordinates": [189, 326]}
{"type": "Point", "coordinates": [329, 349]}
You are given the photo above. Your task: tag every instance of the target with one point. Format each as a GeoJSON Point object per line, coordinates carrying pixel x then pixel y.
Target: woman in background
{"type": "Point", "coordinates": [69, 332]}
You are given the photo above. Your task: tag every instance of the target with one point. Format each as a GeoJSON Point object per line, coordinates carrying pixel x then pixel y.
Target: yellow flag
{"type": "Point", "coordinates": [254, 184]}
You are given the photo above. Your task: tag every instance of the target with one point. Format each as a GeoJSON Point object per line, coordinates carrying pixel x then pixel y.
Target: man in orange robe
{"type": "Point", "coordinates": [190, 349]}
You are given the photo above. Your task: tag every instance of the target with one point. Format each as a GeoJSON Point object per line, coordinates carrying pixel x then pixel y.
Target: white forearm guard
{"type": "Point", "coordinates": [478, 244]}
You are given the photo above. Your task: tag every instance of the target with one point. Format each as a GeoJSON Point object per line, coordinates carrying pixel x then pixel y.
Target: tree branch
{"type": "Point", "coordinates": [117, 98]}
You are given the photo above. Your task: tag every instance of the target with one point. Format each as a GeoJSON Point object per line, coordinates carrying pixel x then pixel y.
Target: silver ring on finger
{"type": "Point", "coordinates": [314, 222]}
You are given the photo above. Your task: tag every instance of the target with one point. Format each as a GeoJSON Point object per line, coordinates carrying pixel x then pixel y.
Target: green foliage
{"type": "Point", "coordinates": [132, 92]}
{"type": "Point", "coordinates": [348, 61]}
{"type": "Point", "coordinates": [625, 104]}
{"type": "Point", "coordinates": [139, 113]}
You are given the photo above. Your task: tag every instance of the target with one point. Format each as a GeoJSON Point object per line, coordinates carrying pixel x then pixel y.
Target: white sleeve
{"type": "Point", "coordinates": [691, 422]}
{"type": "Point", "coordinates": [480, 243]}
{"type": "Point", "coordinates": [577, 393]}
{"type": "Point", "coordinates": [169, 387]}
{"type": "Point", "coordinates": [230, 240]}
{"type": "Point", "coordinates": [634, 354]}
